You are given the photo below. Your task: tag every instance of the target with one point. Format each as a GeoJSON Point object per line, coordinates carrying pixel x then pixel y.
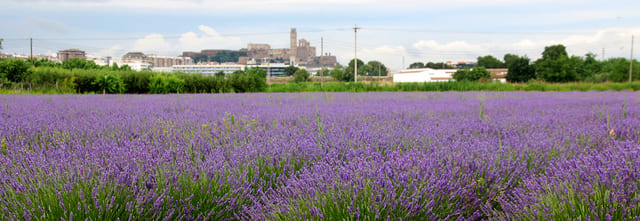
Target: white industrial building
{"type": "Point", "coordinates": [424, 75]}
{"type": "Point", "coordinates": [440, 75]}
{"type": "Point", "coordinates": [273, 70]}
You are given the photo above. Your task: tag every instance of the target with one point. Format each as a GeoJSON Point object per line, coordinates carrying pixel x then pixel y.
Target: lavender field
{"type": "Point", "coordinates": [334, 156]}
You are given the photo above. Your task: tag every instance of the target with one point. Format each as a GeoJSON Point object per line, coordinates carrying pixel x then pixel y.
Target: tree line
{"type": "Point", "coordinates": [554, 66]}
{"type": "Point", "coordinates": [81, 76]}
{"type": "Point", "coordinates": [341, 73]}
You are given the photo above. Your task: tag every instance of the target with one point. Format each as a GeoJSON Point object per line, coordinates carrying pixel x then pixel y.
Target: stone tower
{"type": "Point", "coordinates": [294, 45]}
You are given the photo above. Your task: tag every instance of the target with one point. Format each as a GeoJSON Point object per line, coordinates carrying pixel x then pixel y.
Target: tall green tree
{"type": "Point", "coordinates": [1, 40]}
{"type": "Point", "coordinates": [363, 68]}
{"type": "Point", "coordinates": [520, 69]}
{"type": "Point", "coordinates": [290, 70]}
{"type": "Point", "coordinates": [14, 70]}
{"type": "Point", "coordinates": [301, 75]}
{"type": "Point", "coordinates": [415, 65]}
{"type": "Point", "coordinates": [109, 83]}
{"type": "Point", "coordinates": [508, 58]}
{"type": "Point", "coordinates": [162, 84]}
{"type": "Point", "coordinates": [555, 65]}
{"type": "Point", "coordinates": [589, 67]}
{"type": "Point", "coordinates": [340, 74]}
{"type": "Point", "coordinates": [489, 61]}
{"type": "Point", "coordinates": [475, 74]}
{"type": "Point", "coordinates": [256, 79]}
{"type": "Point", "coordinates": [439, 65]}
{"type": "Point", "coordinates": [77, 63]}
{"type": "Point", "coordinates": [618, 69]}
{"type": "Point", "coordinates": [376, 69]}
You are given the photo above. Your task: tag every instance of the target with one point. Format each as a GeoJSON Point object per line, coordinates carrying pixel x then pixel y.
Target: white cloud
{"type": "Point", "coordinates": [391, 56]}
{"type": "Point", "coordinates": [111, 51]}
{"type": "Point", "coordinates": [191, 41]}
{"type": "Point", "coordinates": [153, 43]}
{"type": "Point", "coordinates": [614, 40]}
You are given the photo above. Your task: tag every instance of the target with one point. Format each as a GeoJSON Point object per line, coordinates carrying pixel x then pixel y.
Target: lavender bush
{"type": "Point", "coordinates": [335, 156]}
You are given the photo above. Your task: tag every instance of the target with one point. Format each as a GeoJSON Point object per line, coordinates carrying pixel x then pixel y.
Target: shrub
{"type": "Point", "coordinates": [301, 75]}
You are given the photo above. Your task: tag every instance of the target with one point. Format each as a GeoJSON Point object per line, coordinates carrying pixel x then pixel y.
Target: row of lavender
{"type": "Point", "coordinates": [398, 156]}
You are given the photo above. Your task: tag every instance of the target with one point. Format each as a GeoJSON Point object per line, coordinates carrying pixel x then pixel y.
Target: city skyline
{"type": "Point", "coordinates": [392, 32]}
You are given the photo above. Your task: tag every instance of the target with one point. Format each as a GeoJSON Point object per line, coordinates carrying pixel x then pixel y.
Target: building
{"type": "Point", "coordinates": [102, 61]}
{"type": "Point", "coordinates": [207, 70]}
{"type": "Point", "coordinates": [273, 70]}
{"type": "Point", "coordinates": [498, 74]}
{"type": "Point", "coordinates": [64, 55]}
{"type": "Point", "coordinates": [132, 57]}
{"type": "Point", "coordinates": [293, 40]}
{"type": "Point", "coordinates": [258, 51]}
{"type": "Point", "coordinates": [154, 61]}
{"type": "Point", "coordinates": [300, 52]}
{"type": "Point", "coordinates": [167, 62]}
{"type": "Point", "coordinates": [328, 61]}
{"type": "Point", "coordinates": [304, 51]}
{"type": "Point", "coordinates": [423, 75]}
{"type": "Point", "coordinates": [138, 66]}
{"type": "Point", "coordinates": [440, 75]}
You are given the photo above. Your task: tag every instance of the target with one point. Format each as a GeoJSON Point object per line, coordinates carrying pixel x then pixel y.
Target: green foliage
{"type": "Point", "coordinates": [164, 83]}
{"type": "Point", "coordinates": [84, 82]}
{"type": "Point", "coordinates": [415, 65]}
{"type": "Point", "coordinates": [589, 67]}
{"type": "Point", "coordinates": [439, 65]}
{"type": "Point", "coordinates": [509, 58]}
{"type": "Point", "coordinates": [1, 40]}
{"type": "Point", "coordinates": [471, 75]}
{"type": "Point", "coordinates": [325, 72]}
{"type": "Point", "coordinates": [618, 69]}
{"type": "Point", "coordinates": [43, 62]}
{"type": "Point", "coordinates": [376, 69]}
{"type": "Point", "coordinates": [198, 83]}
{"type": "Point", "coordinates": [135, 82]}
{"type": "Point", "coordinates": [301, 75]}
{"type": "Point", "coordinates": [109, 83]}
{"type": "Point", "coordinates": [341, 74]}
{"type": "Point", "coordinates": [257, 79]}
{"type": "Point", "coordinates": [77, 63]}
{"type": "Point", "coordinates": [462, 75]}
{"type": "Point", "coordinates": [15, 70]}
{"type": "Point", "coordinates": [489, 61]}
{"type": "Point", "coordinates": [53, 78]}
{"type": "Point", "coordinates": [554, 52]}
{"type": "Point", "coordinates": [555, 65]}
{"type": "Point", "coordinates": [565, 203]}
{"type": "Point", "coordinates": [250, 80]}
{"type": "Point", "coordinates": [290, 70]}
{"type": "Point", "coordinates": [519, 69]}
{"type": "Point", "coordinates": [362, 68]}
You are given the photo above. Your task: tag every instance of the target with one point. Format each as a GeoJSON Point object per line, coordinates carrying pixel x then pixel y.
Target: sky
{"type": "Point", "coordinates": [396, 32]}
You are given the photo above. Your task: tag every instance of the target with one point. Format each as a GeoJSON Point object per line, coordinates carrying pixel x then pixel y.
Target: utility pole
{"type": "Point", "coordinates": [321, 62]}
{"type": "Point", "coordinates": [602, 54]}
{"type": "Point", "coordinates": [355, 61]}
{"type": "Point", "coordinates": [631, 60]}
{"type": "Point", "coordinates": [31, 49]}
{"type": "Point", "coordinates": [402, 63]}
